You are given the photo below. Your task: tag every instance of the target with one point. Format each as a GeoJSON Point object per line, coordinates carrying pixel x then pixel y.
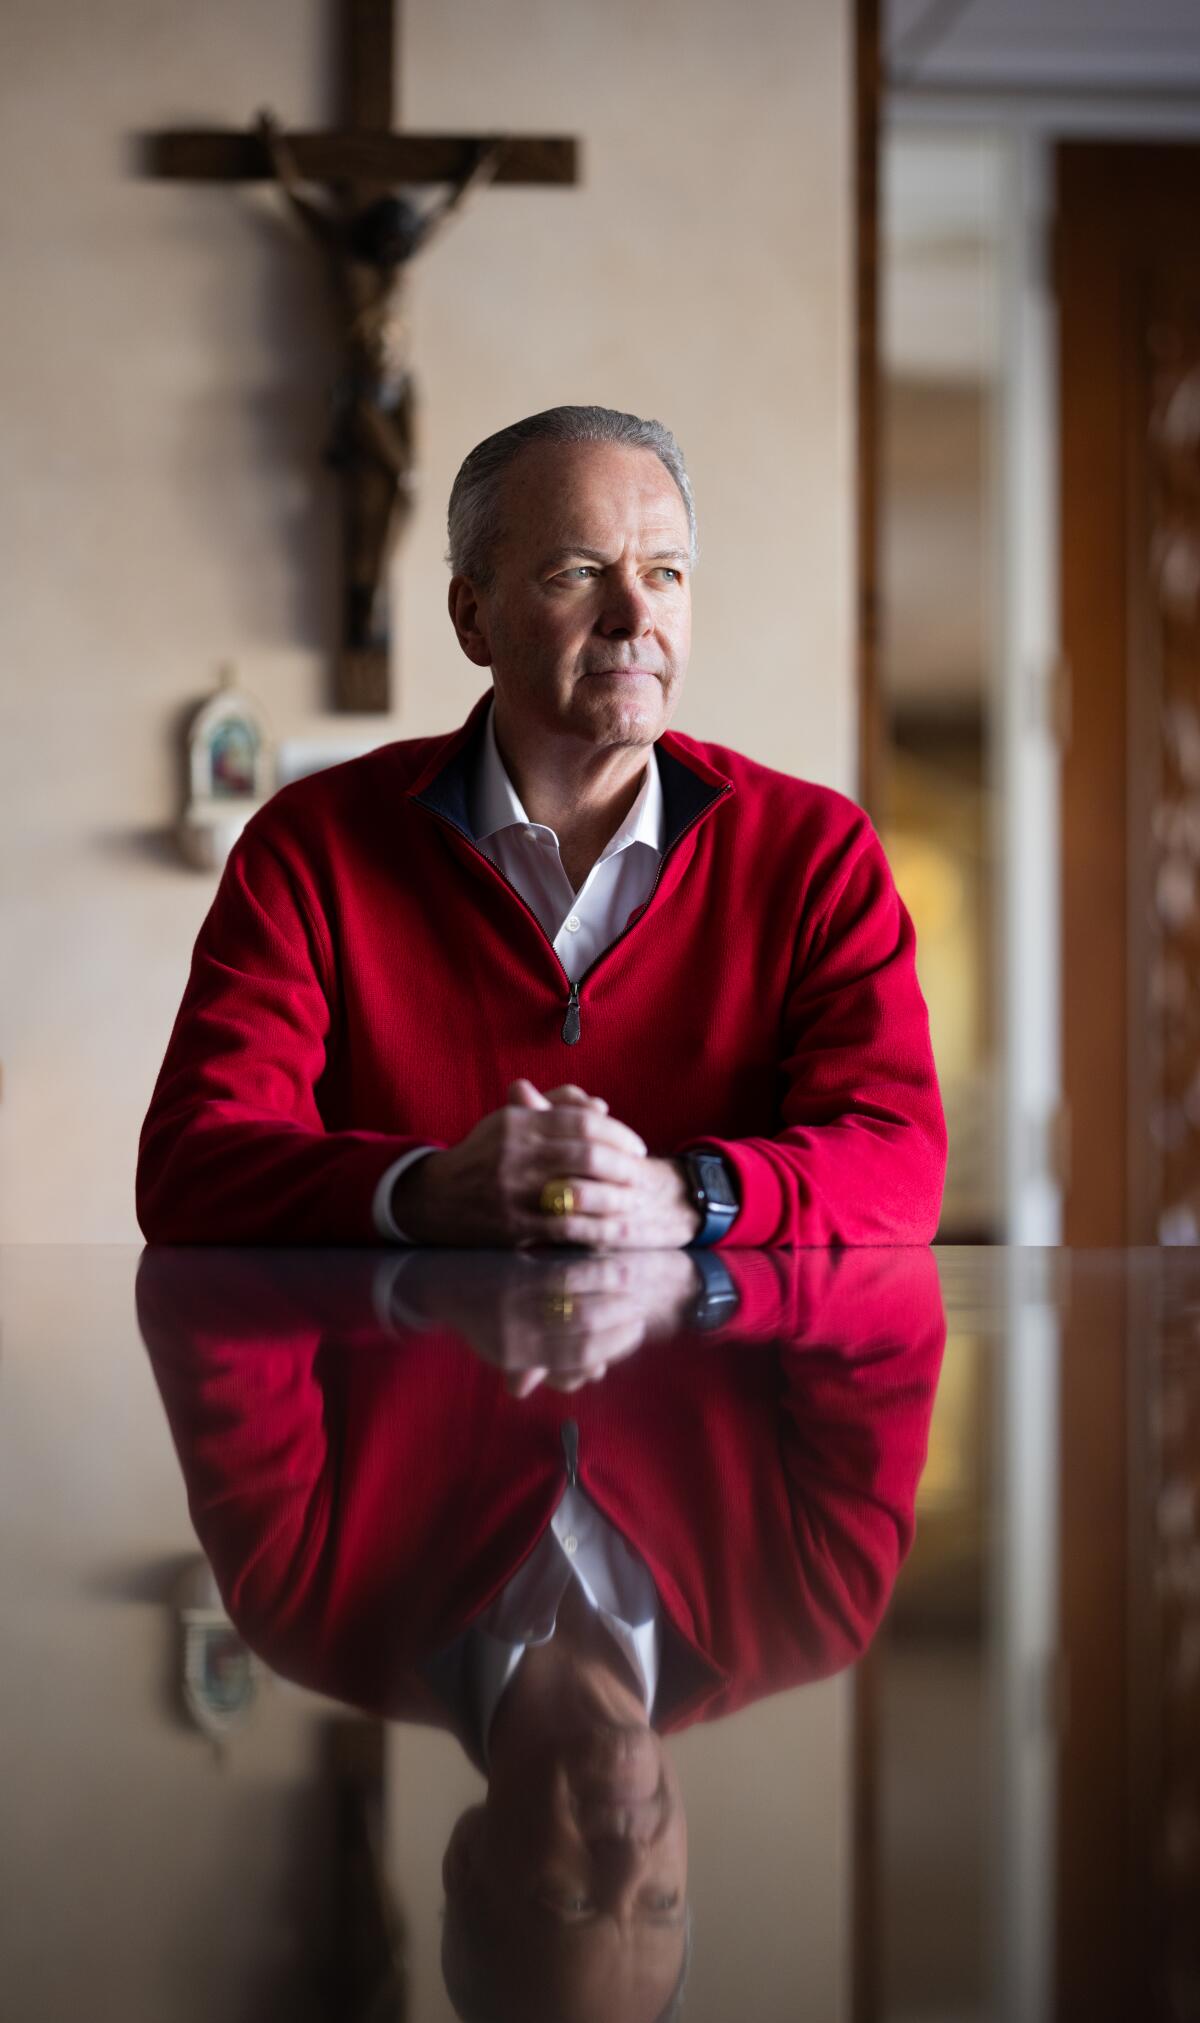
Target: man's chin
{"type": "Point", "coordinates": [613, 716]}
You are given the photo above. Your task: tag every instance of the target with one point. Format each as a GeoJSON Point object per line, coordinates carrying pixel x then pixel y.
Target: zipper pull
{"type": "Point", "coordinates": [570, 1030]}
{"type": "Point", "coordinates": [570, 1441]}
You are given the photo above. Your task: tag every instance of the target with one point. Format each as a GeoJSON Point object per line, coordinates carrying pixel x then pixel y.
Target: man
{"type": "Point", "coordinates": [705, 961]}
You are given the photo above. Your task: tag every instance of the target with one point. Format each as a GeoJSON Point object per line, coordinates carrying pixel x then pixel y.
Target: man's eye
{"type": "Point", "coordinates": [674, 575]}
{"type": "Point", "coordinates": [568, 1907]}
{"type": "Point", "coordinates": [581, 569]}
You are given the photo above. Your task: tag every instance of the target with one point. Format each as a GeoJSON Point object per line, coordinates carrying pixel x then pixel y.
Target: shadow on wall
{"type": "Point", "coordinates": [284, 512]}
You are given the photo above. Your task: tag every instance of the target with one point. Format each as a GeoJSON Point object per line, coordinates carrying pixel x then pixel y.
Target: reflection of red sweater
{"type": "Point", "coordinates": [366, 981]}
{"type": "Point", "coordinates": [362, 1499]}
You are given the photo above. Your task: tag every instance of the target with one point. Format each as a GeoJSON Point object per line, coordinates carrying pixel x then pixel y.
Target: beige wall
{"type": "Point", "coordinates": [161, 363]}
{"type": "Point", "coordinates": [141, 1876]}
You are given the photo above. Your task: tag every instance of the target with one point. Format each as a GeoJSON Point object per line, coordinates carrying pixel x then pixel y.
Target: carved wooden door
{"type": "Point", "coordinates": [1128, 270]}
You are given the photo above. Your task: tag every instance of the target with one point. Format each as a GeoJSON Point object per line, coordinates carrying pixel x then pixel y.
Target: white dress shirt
{"type": "Point", "coordinates": [580, 1544]}
{"type": "Point", "coordinates": [581, 925]}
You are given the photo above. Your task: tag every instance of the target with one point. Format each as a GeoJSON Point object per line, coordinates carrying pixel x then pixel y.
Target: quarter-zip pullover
{"type": "Point", "coordinates": [367, 981]}
{"type": "Point", "coordinates": [581, 924]}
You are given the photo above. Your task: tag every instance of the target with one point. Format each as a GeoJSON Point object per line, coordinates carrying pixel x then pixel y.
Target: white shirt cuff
{"type": "Point", "coordinates": [381, 1204]}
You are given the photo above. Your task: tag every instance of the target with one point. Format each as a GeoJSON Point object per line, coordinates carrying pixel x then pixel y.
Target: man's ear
{"type": "Point", "coordinates": [462, 1848]}
{"type": "Point", "coordinates": [467, 618]}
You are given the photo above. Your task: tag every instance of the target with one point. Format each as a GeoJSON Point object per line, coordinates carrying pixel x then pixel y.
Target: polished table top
{"type": "Point", "coordinates": [923, 1737]}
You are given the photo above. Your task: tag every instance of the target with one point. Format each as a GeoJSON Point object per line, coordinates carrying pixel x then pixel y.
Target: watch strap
{"type": "Point", "coordinates": [714, 1195]}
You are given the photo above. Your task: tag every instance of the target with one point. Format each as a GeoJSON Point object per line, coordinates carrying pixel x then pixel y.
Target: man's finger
{"type": "Point", "coordinates": [634, 1231]}
{"type": "Point", "coordinates": [570, 1122]}
{"type": "Point", "coordinates": [599, 1197]}
{"type": "Point", "coordinates": [579, 1160]}
{"type": "Point", "coordinates": [572, 1093]}
{"type": "Point", "coordinates": [593, 1278]}
{"type": "Point", "coordinates": [523, 1096]}
{"type": "Point", "coordinates": [523, 1383]}
{"type": "Point", "coordinates": [585, 1232]}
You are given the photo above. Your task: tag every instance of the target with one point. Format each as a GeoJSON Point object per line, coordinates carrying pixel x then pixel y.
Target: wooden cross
{"type": "Point", "coordinates": [357, 164]}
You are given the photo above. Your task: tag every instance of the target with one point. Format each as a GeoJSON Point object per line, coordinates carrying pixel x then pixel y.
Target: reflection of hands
{"type": "Point", "coordinates": [554, 1320]}
{"type": "Point", "coordinates": [485, 1189]}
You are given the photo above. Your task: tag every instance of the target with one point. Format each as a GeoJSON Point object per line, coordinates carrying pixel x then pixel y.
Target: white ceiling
{"type": "Point", "coordinates": [1128, 45]}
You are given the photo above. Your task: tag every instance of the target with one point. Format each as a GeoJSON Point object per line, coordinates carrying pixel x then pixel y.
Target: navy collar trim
{"type": "Point", "coordinates": [685, 795]}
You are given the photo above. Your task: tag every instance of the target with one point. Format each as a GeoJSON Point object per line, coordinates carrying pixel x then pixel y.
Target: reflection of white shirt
{"type": "Point", "coordinates": [580, 924]}
{"type": "Point", "coordinates": [580, 1545]}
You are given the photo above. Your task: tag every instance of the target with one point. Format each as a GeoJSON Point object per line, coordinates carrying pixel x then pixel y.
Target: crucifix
{"type": "Point", "coordinates": [342, 187]}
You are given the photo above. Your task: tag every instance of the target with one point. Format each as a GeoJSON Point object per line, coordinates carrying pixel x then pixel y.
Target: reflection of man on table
{"type": "Point", "coordinates": [703, 960]}
{"type": "Point", "coordinates": [560, 1581]}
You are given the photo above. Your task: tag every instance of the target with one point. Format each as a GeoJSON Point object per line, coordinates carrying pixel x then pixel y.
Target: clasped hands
{"type": "Point", "coordinates": [487, 1188]}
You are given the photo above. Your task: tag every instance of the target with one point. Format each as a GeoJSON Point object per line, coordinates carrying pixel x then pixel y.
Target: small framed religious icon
{"type": "Point", "coordinates": [218, 1674]}
{"type": "Point", "coordinates": [229, 774]}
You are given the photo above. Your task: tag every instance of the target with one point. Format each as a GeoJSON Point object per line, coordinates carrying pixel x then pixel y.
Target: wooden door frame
{"type": "Point", "coordinates": [868, 112]}
{"type": "Point", "coordinates": [1118, 202]}
{"type": "Point", "coordinates": [1094, 601]}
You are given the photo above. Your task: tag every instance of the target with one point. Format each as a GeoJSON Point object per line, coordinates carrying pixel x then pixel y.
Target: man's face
{"type": "Point", "coordinates": [579, 1865]}
{"type": "Point", "coordinates": [587, 623]}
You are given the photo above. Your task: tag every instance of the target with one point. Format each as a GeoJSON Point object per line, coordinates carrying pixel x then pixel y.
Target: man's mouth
{"type": "Point", "coordinates": [651, 673]}
{"type": "Point", "coordinates": [641, 1821]}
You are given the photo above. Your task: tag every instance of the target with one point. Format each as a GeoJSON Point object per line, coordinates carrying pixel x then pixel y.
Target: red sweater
{"type": "Point", "coordinates": [367, 981]}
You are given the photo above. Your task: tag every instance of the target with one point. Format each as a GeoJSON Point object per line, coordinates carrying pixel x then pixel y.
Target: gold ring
{"type": "Point", "coordinates": [557, 1198]}
{"type": "Point", "coordinates": [558, 1306]}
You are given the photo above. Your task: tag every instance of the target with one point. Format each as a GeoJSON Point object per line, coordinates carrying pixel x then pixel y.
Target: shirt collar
{"type": "Point", "coordinates": [496, 803]}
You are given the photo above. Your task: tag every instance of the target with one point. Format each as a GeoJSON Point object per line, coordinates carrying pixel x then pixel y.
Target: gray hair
{"type": "Point", "coordinates": [474, 517]}
{"type": "Point", "coordinates": [472, 1996]}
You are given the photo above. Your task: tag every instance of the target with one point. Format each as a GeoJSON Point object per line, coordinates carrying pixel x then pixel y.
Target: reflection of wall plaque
{"type": "Point", "coordinates": [229, 774]}
{"type": "Point", "coordinates": [219, 1680]}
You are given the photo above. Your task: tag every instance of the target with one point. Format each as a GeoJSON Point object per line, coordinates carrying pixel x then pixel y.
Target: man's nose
{"type": "Point", "coordinates": [625, 613]}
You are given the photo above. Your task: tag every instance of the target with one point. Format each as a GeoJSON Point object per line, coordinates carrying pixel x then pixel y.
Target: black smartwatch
{"type": "Point", "coordinates": [711, 1187]}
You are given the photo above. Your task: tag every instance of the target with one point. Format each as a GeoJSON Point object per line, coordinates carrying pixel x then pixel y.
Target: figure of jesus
{"type": "Point", "coordinates": [372, 440]}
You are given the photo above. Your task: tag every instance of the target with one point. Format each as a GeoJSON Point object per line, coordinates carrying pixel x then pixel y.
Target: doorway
{"type": "Point", "coordinates": [1128, 276]}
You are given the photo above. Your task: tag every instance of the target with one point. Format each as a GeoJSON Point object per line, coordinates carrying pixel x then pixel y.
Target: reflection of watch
{"type": "Point", "coordinates": [717, 1300]}
{"type": "Point", "coordinates": [711, 1187]}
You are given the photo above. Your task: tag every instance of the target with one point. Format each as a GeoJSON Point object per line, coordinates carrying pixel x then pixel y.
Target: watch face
{"type": "Point", "coordinates": [713, 1178]}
